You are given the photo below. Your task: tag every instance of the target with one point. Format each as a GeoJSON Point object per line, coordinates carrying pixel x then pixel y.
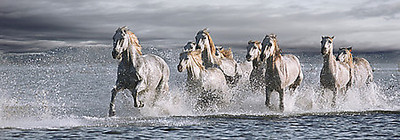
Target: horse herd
{"type": "Point", "coordinates": [211, 70]}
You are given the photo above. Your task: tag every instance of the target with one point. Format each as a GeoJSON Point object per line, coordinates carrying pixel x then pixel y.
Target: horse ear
{"type": "Point", "coordinates": [350, 48]}
{"type": "Point", "coordinates": [249, 42]}
{"type": "Point", "coordinates": [341, 48]}
{"type": "Point", "coordinates": [333, 37]}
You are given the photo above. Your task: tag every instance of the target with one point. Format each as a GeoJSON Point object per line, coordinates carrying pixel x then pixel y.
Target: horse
{"type": "Point", "coordinates": [361, 70]}
{"type": "Point", "coordinates": [228, 66]}
{"type": "Point", "coordinates": [257, 75]}
{"type": "Point", "coordinates": [143, 75]}
{"type": "Point", "coordinates": [228, 63]}
{"type": "Point", "coordinates": [281, 71]}
{"type": "Point", "coordinates": [208, 84]}
{"type": "Point", "coordinates": [335, 75]}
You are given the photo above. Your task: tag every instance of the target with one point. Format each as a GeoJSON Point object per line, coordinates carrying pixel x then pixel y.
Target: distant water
{"type": "Point", "coordinates": [65, 93]}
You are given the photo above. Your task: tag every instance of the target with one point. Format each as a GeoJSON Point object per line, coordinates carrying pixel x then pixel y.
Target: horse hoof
{"type": "Point", "coordinates": [141, 104]}
{"type": "Point", "coordinates": [111, 114]}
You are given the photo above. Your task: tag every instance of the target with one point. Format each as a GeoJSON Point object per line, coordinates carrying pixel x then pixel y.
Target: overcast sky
{"type": "Point", "coordinates": [34, 25]}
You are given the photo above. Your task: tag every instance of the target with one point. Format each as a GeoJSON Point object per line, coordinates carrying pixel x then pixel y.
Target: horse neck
{"type": "Point", "coordinates": [257, 62]}
{"type": "Point", "coordinates": [329, 60]}
{"type": "Point", "coordinates": [132, 56]}
{"type": "Point", "coordinates": [207, 56]}
{"type": "Point", "coordinates": [275, 58]}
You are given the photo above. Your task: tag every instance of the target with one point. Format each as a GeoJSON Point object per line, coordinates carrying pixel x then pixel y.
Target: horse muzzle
{"type": "Point", "coordinates": [180, 68]}
{"type": "Point", "coordinates": [115, 55]}
{"type": "Point", "coordinates": [248, 57]}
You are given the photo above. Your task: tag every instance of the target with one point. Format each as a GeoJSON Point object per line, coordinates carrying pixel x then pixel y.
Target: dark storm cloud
{"type": "Point", "coordinates": [42, 24]}
{"type": "Point", "coordinates": [388, 10]}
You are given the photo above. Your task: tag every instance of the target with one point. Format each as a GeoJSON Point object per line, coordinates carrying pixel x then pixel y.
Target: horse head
{"type": "Point", "coordinates": [203, 39]}
{"type": "Point", "coordinates": [119, 43]}
{"type": "Point", "coordinates": [190, 46]}
{"type": "Point", "coordinates": [327, 44]}
{"type": "Point", "coordinates": [269, 46]}
{"type": "Point", "coordinates": [122, 40]}
{"type": "Point", "coordinates": [344, 55]}
{"type": "Point", "coordinates": [253, 50]}
{"type": "Point", "coordinates": [207, 47]}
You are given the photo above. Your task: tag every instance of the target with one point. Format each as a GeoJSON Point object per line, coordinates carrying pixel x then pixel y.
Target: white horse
{"type": "Point", "coordinates": [282, 70]}
{"type": "Point", "coordinates": [257, 75]}
{"type": "Point", "coordinates": [361, 69]}
{"type": "Point", "coordinates": [143, 75]}
{"type": "Point", "coordinates": [208, 84]}
{"type": "Point", "coordinates": [228, 66]}
{"type": "Point", "coordinates": [335, 75]}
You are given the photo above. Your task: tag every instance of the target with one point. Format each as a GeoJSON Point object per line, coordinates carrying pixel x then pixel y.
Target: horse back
{"type": "Point", "coordinates": [228, 67]}
{"type": "Point", "coordinates": [292, 68]}
{"type": "Point", "coordinates": [153, 67]}
{"type": "Point", "coordinates": [213, 78]}
{"type": "Point", "coordinates": [362, 70]}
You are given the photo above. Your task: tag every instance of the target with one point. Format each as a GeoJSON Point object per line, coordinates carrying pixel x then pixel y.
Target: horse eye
{"type": "Point", "coordinates": [330, 41]}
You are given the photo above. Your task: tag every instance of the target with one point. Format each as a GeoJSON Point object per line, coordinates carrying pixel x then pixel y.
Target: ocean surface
{"type": "Point", "coordinates": [65, 93]}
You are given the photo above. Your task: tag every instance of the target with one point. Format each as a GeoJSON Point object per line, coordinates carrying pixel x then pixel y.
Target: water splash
{"type": "Point", "coordinates": [71, 87]}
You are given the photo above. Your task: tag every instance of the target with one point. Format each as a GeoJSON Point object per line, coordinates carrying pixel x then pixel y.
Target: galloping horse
{"type": "Point", "coordinates": [282, 70]}
{"type": "Point", "coordinates": [146, 75]}
{"type": "Point", "coordinates": [209, 82]}
{"type": "Point", "coordinates": [257, 75]}
{"type": "Point", "coordinates": [335, 75]}
{"type": "Point", "coordinates": [360, 68]}
{"type": "Point", "coordinates": [209, 52]}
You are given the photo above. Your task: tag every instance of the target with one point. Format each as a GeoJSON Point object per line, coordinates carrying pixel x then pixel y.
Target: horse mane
{"type": "Point", "coordinates": [212, 46]}
{"type": "Point", "coordinates": [196, 55]}
{"type": "Point", "coordinates": [227, 53]}
{"type": "Point", "coordinates": [134, 41]}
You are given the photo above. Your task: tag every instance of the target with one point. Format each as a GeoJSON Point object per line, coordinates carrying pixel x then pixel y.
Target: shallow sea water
{"type": "Point", "coordinates": [65, 93]}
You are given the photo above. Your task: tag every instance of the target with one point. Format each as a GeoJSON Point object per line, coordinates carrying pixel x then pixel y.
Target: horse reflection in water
{"type": "Point", "coordinates": [282, 70]}
{"type": "Point", "coordinates": [208, 85]}
{"type": "Point", "coordinates": [361, 70]}
{"type": "Point", "coordinates": [143, 75]}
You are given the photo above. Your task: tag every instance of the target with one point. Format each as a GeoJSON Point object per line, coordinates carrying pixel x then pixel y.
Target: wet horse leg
{"type": "Point", "coordinates": [281, 96]}
{"type": "Point", "coordinates": [114, 92]}
{"type": "Point", "coordinates": [138, 89]}
{"type": "Point", "coordinates": [335, 92]}
{"type": "Point", "coordinates": [136, 102]}
{"type": "Point", "coordinates": [268, 92]}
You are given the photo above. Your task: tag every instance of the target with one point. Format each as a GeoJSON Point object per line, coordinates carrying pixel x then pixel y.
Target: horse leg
{"type": "Point", "coordinates": [139, 89]}
{"type": "Point", "coordinates": [281, 106]}
{"type": "Point", "coordinates": [114, 92]}
{"type": "Point", "coordinates": [296, 83]}
{"type": "Point", "coordinates": [136, 102]}
{"type": "Point", "coordinates": [268, 92]}
{"type": "Point", "coordinates": [335, 92]}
